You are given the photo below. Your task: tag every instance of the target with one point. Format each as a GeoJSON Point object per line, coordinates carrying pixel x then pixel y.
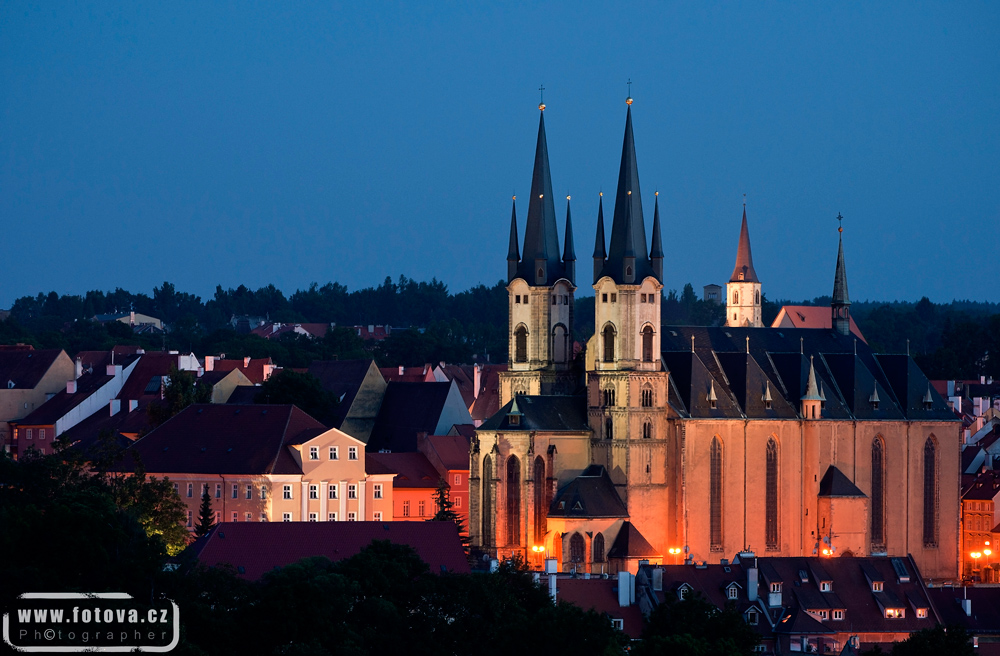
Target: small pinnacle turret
{"type": "Point", "coordinates": [656, 250]}
{"type": "Point", "coordinates": [569, 250]}
{"type": "Point", "coordinates": [600, 255]}
{"type": "Point", "coordinates": [744, 271]}
{"type": "Point", "coordinates": [513, 252]}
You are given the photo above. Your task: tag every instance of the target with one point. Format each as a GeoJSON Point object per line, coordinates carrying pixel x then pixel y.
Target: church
{"type": "Point", "coordinates": [693, 444]}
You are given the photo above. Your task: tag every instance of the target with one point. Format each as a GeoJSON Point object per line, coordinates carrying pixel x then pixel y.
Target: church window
{"type": "Point", "coordinates": [628, 271]}
{"type": "Point", "coordinates": [647, 397]}
{"type": "Point", "coordinates": [609, 343]}
{"type": "Point", "coordinates": [540, 498]}
{"type": "Point", "coordinates": [525, 299]}
{"type": "Point", "coordinates": [930, 494]}
{"type": "Point", "coordinates": [771, 494]}
{"type": "Point", "coordinates": [560, 344]}
{"type": "Point", "coordinates": [614, 298]}
{"type": "Point", "coordinates": [604, 298]}
{"type": "Point", "coordinates": [541, 273]}
{"type": "Point", "coordinates": [608, 426]}
{"type": "Point", "coordinates": [554, 300]}
{"type": "Point", "coordinates": [736, 296]}
{"type": "Point", "coordinates": [647, 430]}
{"type": "Point", "coordinates": [878, 495]}
{"type": "Point", "coordinates": [598, 548]}
{"type": "Point", "coordinates": [647, 344]}
{"type": "Point", "coordinates": [715, 496]}
{"type": "Point", "coordinates": [489, 495]}
{"type": "Point", "coordinates": [576, 548]}
{"type": "Point", "coordinates": [513, 501]}
{"type": "Point", "coordinates": [521, 344]}
{"type": "Point", "coordinates": [756, 298]}
{"type": "Point", "coordinates": [609, 397]}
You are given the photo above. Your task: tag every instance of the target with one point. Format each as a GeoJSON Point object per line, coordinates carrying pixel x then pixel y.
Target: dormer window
{"type": "Point", "coordinates": [876, 586]}
{"type": "Point", "coordinates": [741, 275]}
{"type": "Point", "coordinates": [541, 273]}
{"type": "Point", "coordinates": [628, 272]}
{"type": "Point", "coordinates": [776, 587]}
{"type": "Point", "coordinates": [682, 591]}
{"type": "Point", "coordinates": [514, 419]}
{"type": "Point", "coordinates": [752, 617]}
{"type": "Point", "coordinates": [921, 613]}
{"type": "Point", "coordinates": [838, 615]}
{"type": "Point", "coordinates": [895, 613]}
{"type": "Point", "coordinates": [732, 592]}
{"type": "Point", "coordinates": [826, 586]}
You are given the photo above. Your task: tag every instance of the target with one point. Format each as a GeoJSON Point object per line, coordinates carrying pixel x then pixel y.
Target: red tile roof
{"type": "Point", "coordinates": [601, 595]}
{"type": "Point", "coordinates": [257, 369]}
{"type": "Point", "coordinates": [452, 450]}
{"type": "Point", "coordinates": [228, 439]}
{"type": "Point", "coordinates": [150, 365]}
{"type": "Point", "coordinates": [411, 469]}
{"type": "Point", "coordinates": [274, 330]}
{"type": "Point", "coordinates": [811, 316]}
{"type": "Point", "coordinates": [255, 548]}
{"type": "Point", "coordinates": [488, 400]}
{"type": "Point", "coordinates": [424, 374]}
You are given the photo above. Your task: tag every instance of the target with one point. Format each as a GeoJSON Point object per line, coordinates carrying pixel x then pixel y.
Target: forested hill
{"type": "Point", "coordinates": [948, 340]}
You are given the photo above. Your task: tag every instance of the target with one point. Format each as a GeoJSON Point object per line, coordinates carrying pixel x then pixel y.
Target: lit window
{"type": "Point", "coordinates": [826, 586]}
{"type": "Point", "coordinates": [352, 453]}
{"type": "Point", "coordinates": [838, 615]}
{"type": "Point", "coordinates": [286, 517]}
{"type": "Point", "coordinates": [236, 491]}
{"type": "Point", "coordinates": [331, 517]}
{"type": "Point", "coordinates": [876, 586]}
{"type": "Point", "coordinates": [313, 491]}
{"type": "Point", "coordinates": [352, 517]}
{"type": "Point", "coordinates": [352, 491]}
{"type": "Point", "coordinates": [334, 453]}
{"type": "Point", "coordinates": [406, 509]}
{"type": "Point", "coordinates": [377, 491]}
{"type": "Point", "coordinates": [895, 613]}
{"type": "Point", "coordinates": [287, 492]}
{"type": "Point", "coordinates": [314, 453]}
{"type": "Point", "coordinates": [922, 613]}
{"type": "Point", "coordinates": [776, 587]}
{"type": "Point", "coordinates": [190, 492]}
{"type": "Point", "coordinates": [313, 517]}
{"type": "Point", "coordinates": [377, 516]}
{"type": "Point", "coordinates": [333, 491]}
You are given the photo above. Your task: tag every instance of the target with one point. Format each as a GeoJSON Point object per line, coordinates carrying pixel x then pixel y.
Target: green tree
{"type": "Point", "coordinates": [697, 628]}
{"type": "Point", "coordinates": [181, 390]}
{"type": "Point", "coordinates": [206, 518]}
{"type": "Point", "coordinates": [302, 390]}
{"type": "Point", "coordinates": [446, 511]}
{"type": "Point", "coordinates": [952, 640]}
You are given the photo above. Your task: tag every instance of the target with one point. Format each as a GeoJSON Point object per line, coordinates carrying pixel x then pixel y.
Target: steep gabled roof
{"type": "Point", "coordinates": [408, 409]}
{"type": "Point", "coordinates": [631, 544]}
{"type": "Point", "coordinates": [541, 236]}
{"type": "Point", "coordinates": [25, 369]}
{"type": "Point", "coordinates": [548, 413]}
{"type": "Point", "coordinates": [836, 484]}
{"type": "Point", "coordinates": [591, 494]}
{"type": "Point", "coordinates": [256, 548]}
{"type": "Point", "coordinates": [744, 259]}
{"type": "Point", "coordinates": [344, 379]}
{"type": "Point", "coordinates": [412, 470]}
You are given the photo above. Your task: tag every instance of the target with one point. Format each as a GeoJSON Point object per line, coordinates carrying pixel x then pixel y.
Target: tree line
{"type": "Point", "coordinates": [432, 324]}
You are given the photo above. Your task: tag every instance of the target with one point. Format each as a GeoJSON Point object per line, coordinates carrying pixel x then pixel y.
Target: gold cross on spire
{"type": "Point", "coordinates": [541, 97]}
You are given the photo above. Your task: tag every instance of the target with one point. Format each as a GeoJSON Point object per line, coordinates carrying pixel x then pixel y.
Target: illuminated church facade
{"type": "Point", "coordinates": [683, 444]}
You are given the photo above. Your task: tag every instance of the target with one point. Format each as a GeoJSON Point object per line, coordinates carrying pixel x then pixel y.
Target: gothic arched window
{"type": "Point", "coordinates": [756, 298]}
{"type": "Point", "coordinates": [540, 499]}
{"type": "Point", "coordinates": [771, 494]}
{"type": "Point", "coordinates": [598, 548]}
{"type": "Point", "coordinates": [609, 397]}
{"type": "Point", "coordinates": [930, 494]}
{"type": "Point", "coordinates": [647, 429]}
{"type": "Point", "coordinates": [521, 344]}
{"type": "Point", "coordinates": [513, 501]}
{"type": "Point", "coordinates": [647, 344]}
{"type": "Point", "coordinates": [878, 495]}
{"type": "Point", "coordinates": [577, 548]}
{"type": "Point", "coordinates": [608, 427]}
{"type": "Point", "coordinates": [489, 495]}
{"type": "Point", "coordinates": [736, 297]}
{"type": "Point", "coordinates": [609, 343]}
{"type": "Point", "coordinates": [715, 495]}
{"type": "Point", "coordinates": [647, 397]}
{"type": "Point", "coordinates": [559, 344]}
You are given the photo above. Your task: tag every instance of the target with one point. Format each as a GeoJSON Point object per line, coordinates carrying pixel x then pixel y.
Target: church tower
{"type": "Point", "coordinates": [743, 288]}
{"type": "Point", "coordinates": [840, 306]}
{"type": "Point", "coordinates": [626, 381]}
{"type": "Point", "coordinates": [540, 288]}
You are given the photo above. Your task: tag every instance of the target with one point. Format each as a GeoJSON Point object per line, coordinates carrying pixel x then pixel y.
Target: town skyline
{"type": "Point", "coordinates": [344, 144]}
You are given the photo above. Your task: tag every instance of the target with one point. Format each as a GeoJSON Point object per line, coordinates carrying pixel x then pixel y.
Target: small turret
{"type": "Point", "coordinates": [513, 252]}
{"type": "Point", "coordinates": [569, 250]}
{"type": "Point", "coordinates": [840, 306]}
{"type": "Point", "coordinates": [812, 401]}
{"type": "Point", "coordinates": [600, 255]}
{"type": "Point", "coordinates": [656, 249]}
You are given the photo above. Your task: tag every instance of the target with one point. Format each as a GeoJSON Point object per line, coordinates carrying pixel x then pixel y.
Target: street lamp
{"type": "Point", "coordinates": [675, 552]}
{"type": "Point", "coordinates": [976, 555]}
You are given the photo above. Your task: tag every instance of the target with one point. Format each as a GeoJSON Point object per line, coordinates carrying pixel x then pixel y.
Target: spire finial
{"type": "Point", "coordinates": [744, 200]}
{"type": "Point", "coordinates": [541, 98]}
{"type": "Point", "coordinates": [840, 221]}
{"type": "Point", "coordinates": [628, 101]}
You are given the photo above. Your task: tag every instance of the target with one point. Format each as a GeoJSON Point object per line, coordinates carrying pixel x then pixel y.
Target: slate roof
{"type": "Point", "coordinates": [836, 484]}
{"type": "Point", "coordinates": [122, 426]}
{"type": "Point", "coordinates": [256, 370]}
{"type": "Point", "coordinates": [464, 377]}
{"type": "Point", "coordinates": [985, 601]}
{"type": "Point", "coordinates": [591, 494]}
{"type": "Point", "coordinates": [407, 409]}
{"type": "Point", "coordinates": [985, 487]}
{"type": "Point", "coordinates": [244, 395]}
{"type": "Point", "coordinates": [56, 408]}
{"type": "Point", "coordinates": [228, 439]}
{"type": "Point", "coordinates": [548, 413]}
{"type": "Point", "coordinates": [99, 360]}
{"type": "Point", "coordinates": [848, 372]}
{"type": "Point", "coordinates": [344, 379]}
{"type": "Point", "coordinates": [151, 365]}
{"type": "Point", "coordinates": [421, 374]}
{"type": "Point", "coordinates": [631, 544]}
{"type": "Point", "coordinates": [25, 368]}
{"type": "Point", "coordinates": [744, 258]}
{"type": "Point", "coordinates": [412, 470]}
{"type": "Point", "coordinates": [255, 548]}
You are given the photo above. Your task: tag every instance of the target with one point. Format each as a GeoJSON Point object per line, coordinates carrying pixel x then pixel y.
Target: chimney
{"type": "Point", "coordinates": [71, 387]}
{"type": "Point", "coordinates": [246, 361]}
{"type": "Point", "coordinates": [115, 407]}
{"type": "Point", "coordinates": [132, 404]}
{"type": "Point", "coordinates": [658, 580]}
{"type": "Point", "coordinates": [209, 363]}
{"type": "Point", "coordinates": [400, 370]}
{"type": "Point", "coordinates": [624, 596]}
{"type": "Point", "coordinates": [553, 588]}
{"type": "Point", "coordinates": [752, 581]}
{"type": "Point", "coordinates": [551, 565]}
{"type": "Point", "coordinates": [371, 330]}
{"type": "Point", "coordinates": [967, 606]}
{"type": "Point", "coordinates": [131, 318]}
{"type": "Point", "coordinates": [79, 368]}
{"type": "Point", "coordinates": [113, 370]}
{"type": "Point", "coordinates": [477, 379]}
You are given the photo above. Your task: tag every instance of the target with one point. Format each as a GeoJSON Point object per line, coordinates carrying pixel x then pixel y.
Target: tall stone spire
{"type": "Point", "coordinates": [841, 304]}
{"type": "Point", "coordinates": [600, 255]}
{"type": "Point", "coordinates": [628, 261]}
{"type": "Point", "coordinates": [743, 271]}
{"type": "Point", "coordinates": [541, 263]}
{"type": "Point", "coordinates": [513, 253]}
{"type": "Point", "coordinates": [656, 248]}
{"type": "Point", "coordinates": [569, 250]}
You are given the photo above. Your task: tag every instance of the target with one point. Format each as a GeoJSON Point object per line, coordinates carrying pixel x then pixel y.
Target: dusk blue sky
{"type": "Point", "coordinates": [291, 143]}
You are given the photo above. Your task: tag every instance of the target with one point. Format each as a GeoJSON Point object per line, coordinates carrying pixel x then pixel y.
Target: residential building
{"type": "Point", "coordinates": [409, 409]}
{"type": "Point", "coordinates": [257, 370]}
{"type": "Point", "coordinates": [979, 519]}
{"type": "Point", "coordinates": [28, 378]}
{"type": "Point", "coordinates": [359, 388]}
{"type": "Point", "coordinates": [414, 484]}
{"type": "Point", "coordinates": [449, 455]}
